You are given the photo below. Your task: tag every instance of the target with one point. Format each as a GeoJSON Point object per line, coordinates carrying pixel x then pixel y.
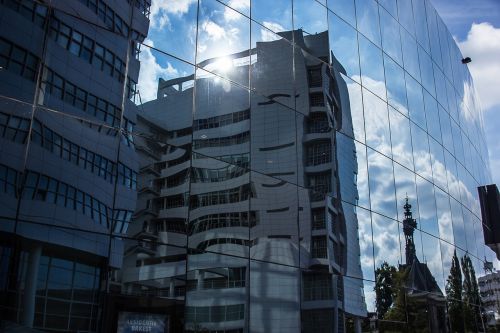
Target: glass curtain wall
{"type": "Point", "coordinates": [238, 166]}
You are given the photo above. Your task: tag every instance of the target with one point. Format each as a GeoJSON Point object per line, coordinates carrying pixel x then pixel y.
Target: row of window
{"type": "Point", "coordinates": [218, 241]}
{"type": "Point", "coordinates": [18, 60]}
{"type": "Point", "coordinates": [214, 314]}
{"type": "Point", "coordinates": [184, 158]}
{"type": "Point", "coordinates": [318, 219]}
{"type": "Point", "coordinates": [219, 121]}
{"type": "Point", "coordinates": [66, 91]}
{"type": "Point", "coordinates": [201, 175]}
{"type": "Point", "coordinates": [176, 225]}
{"type": "Point", "coordinates": [180, 132]}
{"type": "Point", "coordinates": [112, 20]}
{"type": "Point", "coordinates": [222, 141]}
{"type": "Point", "coordinates": [232, 277]}
{"type": "Point", "coordinates": [174, 180]}
{"type": "Point", "coordinates": [317, 287]}
{"type": "Point", "coordinates": [14, 128]}
{"type": "Point", "coordinates": [126, 176]}
{"type": "Point", "coordinates": [121, 220]}
{"type": "Point", "coordinates": [237, 194]}
{"type": "Point", "coordinates": [143, 5]}
{"type": "Point", "coordinates": [317, 122]}
{"type": "Point", "coordinates": [318, 153]}
{"type": "Point", "coordinates": [87, 49]}
{"type": "Point", "coordinates": [314, 76]}
{"type": "Point", "coordinates": [320, 185]}
{"type": "Point", "coordinates": [338, 253]}
{"type": "Point", "coordinates": [82, 157]}
{"type": "Point", "coordinates": [60, 88]}
{"type": "Point", "coordinates": [173, 201]}
{"type": "Point", "coordinates": [490, 280]}
{"type": "Point", "coordinates": [67, 294]}
{"type": "Point", "coordinates": [241, 160]}
{"type": "Point", "coordinates": [316, 99]}
{"type": "Point", "coordinates": [319, 247]}
{"type": "Point", "coordinates": [9, 180]}
{"type": "Point", "coordinates": [29, 9]}
{"type": "Point", "coordinates": [223, 220]}
{"type": "Point", "coordinates": [160, 260]}
{"type": "Point", "coordinates": [44, 188]}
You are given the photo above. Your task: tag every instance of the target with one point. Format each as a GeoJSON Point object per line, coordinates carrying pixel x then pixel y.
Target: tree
{"type": "Point", "coordinates": [470, 295]}
{"type": "Point", "coordinates": [384, 282]}
{"type": "Point", "coordinates": [454, 295]}
{"type": "Point", "coordinates": [405, 308]}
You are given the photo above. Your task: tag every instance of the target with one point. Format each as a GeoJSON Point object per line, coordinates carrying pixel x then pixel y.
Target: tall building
{"type": "Point", "coordinates": [255, 179]}
{"type": "Point", "coordinates": [227, 180]}
{"type": "Point", "coordinates": [68, 167]}
{"type": "Point", "coordinates": [490, 297]}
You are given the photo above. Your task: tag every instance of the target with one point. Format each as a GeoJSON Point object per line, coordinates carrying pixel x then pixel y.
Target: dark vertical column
{"type": "Point", "coordinates": [29, 296]}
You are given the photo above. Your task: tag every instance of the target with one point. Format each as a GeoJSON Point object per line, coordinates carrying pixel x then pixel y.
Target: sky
{"type": "Point", "coordinates": [475, 25]}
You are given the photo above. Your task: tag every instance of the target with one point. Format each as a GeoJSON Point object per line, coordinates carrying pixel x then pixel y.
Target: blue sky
{"type": "Point", "coordinates": [476, 26]}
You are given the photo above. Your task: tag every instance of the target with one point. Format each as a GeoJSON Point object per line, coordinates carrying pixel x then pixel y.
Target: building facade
{"type": "Point", "coordinates": [490, 297]}
{"type": "Point", "coordinates": [222, 184]}
{"type": "Point", "coordinates": [284, 166]}
{"type": "Point", "coordinates": [69, 168]}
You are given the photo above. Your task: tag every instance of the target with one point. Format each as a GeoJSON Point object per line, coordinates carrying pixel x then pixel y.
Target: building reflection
{"type": "Point", "coordinates": [259, 188]}
{"type": "Point", "coordinates": [241, 209]}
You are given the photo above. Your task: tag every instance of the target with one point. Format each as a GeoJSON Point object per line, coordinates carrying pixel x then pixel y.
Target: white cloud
{"type": "Point", "coordinates": [266, 35]}
{"type": "Point", "coordinates": [240, 5]}
{"type": "Point", "coordinates": [483, 46]}
{"type": "Point", "coordinates": [213, 30]}
{"type": "Point", "coordinates": [216, 40]}
{"type": "Point", "coordinates": [161, 8]}
{"type": "Point", "coordinates": [151, 72]}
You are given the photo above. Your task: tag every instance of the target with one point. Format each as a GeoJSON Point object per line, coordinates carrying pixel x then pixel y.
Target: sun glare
{"type": "Point", "coordinates": [223, 65]}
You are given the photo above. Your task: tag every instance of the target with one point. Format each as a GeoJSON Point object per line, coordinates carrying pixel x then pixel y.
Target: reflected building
{"type": "Point", "coordinates": [252, 181]}
{"type": "Point", "coordinates": [238, 184]}
{"type": "Point", "coordinates": [490, 296]}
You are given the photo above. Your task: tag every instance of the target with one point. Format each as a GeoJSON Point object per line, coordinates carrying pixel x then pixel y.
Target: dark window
{"type": "Point", "coordinates": [317, 122]}
{"type": "Point", "coordinates": [319, 152]}
{"type": "Point", "coordinates": [314, 76]}
{"type": "Point", "coordinates": [317, 286]}
{"type": "Point", "coordinates": [317, 99]}
{"type": "Point", "coordinates": [320, 185]}
{"type": "Point", "coordinates": [17, 60]}
{"type": "Point", "coordinates": [319, 247]}
{"type": "Point", "coordinates": [318, 219]}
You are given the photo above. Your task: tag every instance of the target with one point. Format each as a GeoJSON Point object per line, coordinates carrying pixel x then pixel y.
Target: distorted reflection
{"type": "Point", "coordinates": [251, 235]}
{"type": "Point", "coordinates": [236, 166]}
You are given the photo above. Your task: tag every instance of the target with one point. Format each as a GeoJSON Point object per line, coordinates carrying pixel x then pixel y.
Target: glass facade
{"type": "Point", "coordinates": [238, 166]}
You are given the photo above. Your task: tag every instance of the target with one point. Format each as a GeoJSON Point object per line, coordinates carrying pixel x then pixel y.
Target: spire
{"type": "Point", "coordinates": [409, 225]}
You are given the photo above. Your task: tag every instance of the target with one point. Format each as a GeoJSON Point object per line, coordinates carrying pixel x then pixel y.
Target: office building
{"type": "Point", "coordinates": [259, 178]}
{"type": "Point", "coordinates": [67, 163]}
{"type": "Point", "coordinates": [490, 297]}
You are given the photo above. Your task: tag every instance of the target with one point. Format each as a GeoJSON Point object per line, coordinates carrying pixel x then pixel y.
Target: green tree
{"type": "Point", "coordinates": [454, 295]}
{"type": "Point", "coordinates": [398, 310]}
{"type": "Point", "coordinates": [384, 291]}
{"type": "Point", "coordinates": [406, 309]}
{"type": "Point", "coordinates": [470, 295]}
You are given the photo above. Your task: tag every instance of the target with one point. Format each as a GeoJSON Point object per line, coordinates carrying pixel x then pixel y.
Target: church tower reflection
{"type": "Point", "coordinates": [416, 297]}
